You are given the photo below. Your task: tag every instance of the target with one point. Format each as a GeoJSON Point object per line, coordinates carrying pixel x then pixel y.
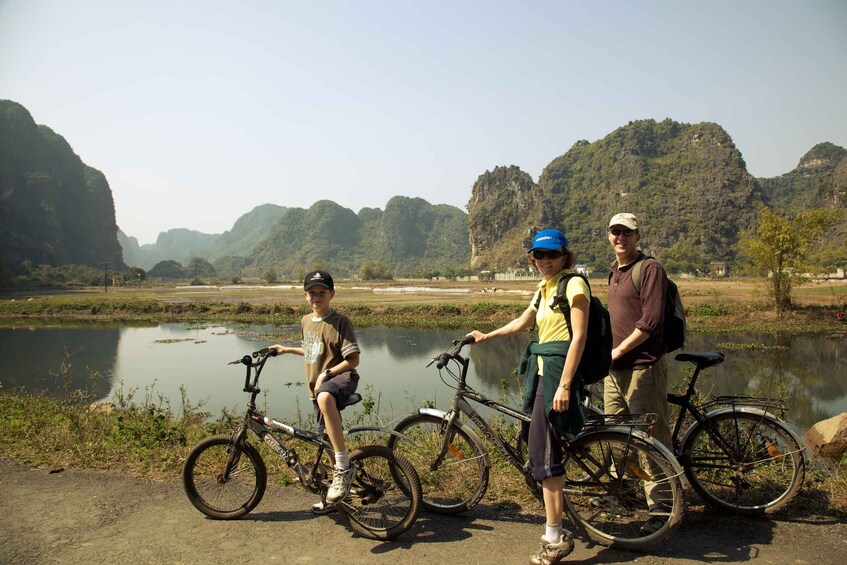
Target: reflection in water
{"type": "Point", "coordinates": [59, 359]}
{"type": "Point", "coordinates": [809, 371]}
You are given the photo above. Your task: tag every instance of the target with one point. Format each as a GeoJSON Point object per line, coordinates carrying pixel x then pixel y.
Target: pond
{"type": "Point", "coordinates": [160, 360]}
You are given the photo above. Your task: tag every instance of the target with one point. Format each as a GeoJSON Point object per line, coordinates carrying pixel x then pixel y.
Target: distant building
{"type": "Point", "coordinates": [582, 269]}
{"type": "Point", "coordinates": [719, 268]}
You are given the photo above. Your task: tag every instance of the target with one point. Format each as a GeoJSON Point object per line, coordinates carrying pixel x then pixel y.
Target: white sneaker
{"type": "Point", "coordinates": [341, 481]}
{"type": "Point", "coordinates": [321, 508]}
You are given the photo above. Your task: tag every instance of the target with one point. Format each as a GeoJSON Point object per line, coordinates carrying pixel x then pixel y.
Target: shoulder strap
{"type": "Point", "coordinates": [636, 272]}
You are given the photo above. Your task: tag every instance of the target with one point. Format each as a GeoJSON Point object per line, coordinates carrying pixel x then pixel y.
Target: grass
{"type": "Point", "coordinates": [146, 436]}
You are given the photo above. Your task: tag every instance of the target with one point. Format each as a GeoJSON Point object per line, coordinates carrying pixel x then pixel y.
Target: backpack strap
{"type": "Point", "coordinates": [560, 300]}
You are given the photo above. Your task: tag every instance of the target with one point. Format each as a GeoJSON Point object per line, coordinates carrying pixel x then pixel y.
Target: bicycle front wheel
{"type": "Point", "coordinates": [621, 490]}
{"type": "Point", "coordinates": [222, 479]}
{"type": "Point", "coordinates": [385, 495]}
{"type": "Point", "coordinates": [456, 482]}
{"type": "Point", "coordinates": [758, 469]}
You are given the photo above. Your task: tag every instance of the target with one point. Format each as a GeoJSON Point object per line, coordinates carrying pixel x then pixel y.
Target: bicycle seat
{"type": "Point", "coordinates": [702, 360]}
{"type": "Point", "coordinates": [350, 400]}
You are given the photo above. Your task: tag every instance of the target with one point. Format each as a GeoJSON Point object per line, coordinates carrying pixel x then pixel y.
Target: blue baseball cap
{"type": "Point", "coordinates": [549, 239]}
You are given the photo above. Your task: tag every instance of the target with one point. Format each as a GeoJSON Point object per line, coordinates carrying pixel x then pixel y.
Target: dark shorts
{"type": "Point", "coordinates": [340, 386]}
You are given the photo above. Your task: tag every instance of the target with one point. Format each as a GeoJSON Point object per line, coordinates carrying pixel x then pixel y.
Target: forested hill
{"type": "Point", "coordinates": [410, 236]}
{"type": "Point", "coordinates": [819, 181]}
{"type": "Point", "coordinates": [687, 183]}
{"type": "Point", "coordinates": [54, 209]}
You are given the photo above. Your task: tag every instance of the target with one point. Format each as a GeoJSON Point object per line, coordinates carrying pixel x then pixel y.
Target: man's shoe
{"type": "Point", "coordinates": [552, 552]}
{"type": "Point", "coordinates": [653, 525]}
{"type": "Point", "coordinates": [340, 487]}
{"type": "Point", "coordinates": [322, 507]}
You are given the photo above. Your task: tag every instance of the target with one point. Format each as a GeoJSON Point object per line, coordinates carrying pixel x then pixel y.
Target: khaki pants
{"type": "Point", "coordinates": [642, 390]}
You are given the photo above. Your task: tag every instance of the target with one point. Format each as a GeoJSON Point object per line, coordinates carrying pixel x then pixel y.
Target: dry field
{"type": "Point", "coordinates": [694, 292]}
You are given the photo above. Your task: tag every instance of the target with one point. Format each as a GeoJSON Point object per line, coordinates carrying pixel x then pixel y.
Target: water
{"type": "Point", "coordinates": [809, 371]}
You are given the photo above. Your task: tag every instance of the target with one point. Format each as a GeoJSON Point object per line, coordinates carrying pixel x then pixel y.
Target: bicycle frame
{"type": "Point", "coordinates": [265, 427]}
{"type": "Point", "coordinates": [461, 406]}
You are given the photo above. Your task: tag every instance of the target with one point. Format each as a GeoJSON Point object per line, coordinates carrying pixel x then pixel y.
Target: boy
{"type": "Point", "coordinates": [331, 355]}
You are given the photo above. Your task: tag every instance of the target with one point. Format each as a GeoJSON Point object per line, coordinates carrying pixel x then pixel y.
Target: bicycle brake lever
{"type": "Point", "coordinates": [431, 361]}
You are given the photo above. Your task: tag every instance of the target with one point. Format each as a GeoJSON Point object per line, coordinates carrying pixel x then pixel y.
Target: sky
{"type": "Point", "coordinates": [198, 111]}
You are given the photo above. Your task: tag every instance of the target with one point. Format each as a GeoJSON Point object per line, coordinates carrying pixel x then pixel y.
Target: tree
{"type": "Point", "coordinates": [168, 269]}
{"type": "Point", "coordinates": [199, 267]}
{"type": "Point", "coordinates": [271, 276]}
{"type": "Point", "coordinates": [779, 248]}
{"type": "Point", "coordinates": [683, 257]}
{"type": "Point", "coordinates": [134, 274]}
{"type": "Point", "coordinates": [371, 270]}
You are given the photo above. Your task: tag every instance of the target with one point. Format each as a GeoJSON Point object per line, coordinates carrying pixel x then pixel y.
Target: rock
{"type": "Point", "coordinates": [829, 437]}
{"type": "Point", "coordinates": [102, 408]}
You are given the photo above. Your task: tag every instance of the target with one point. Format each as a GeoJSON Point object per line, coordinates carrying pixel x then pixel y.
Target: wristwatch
{"type": "Point", "coordinates": [328, 373]}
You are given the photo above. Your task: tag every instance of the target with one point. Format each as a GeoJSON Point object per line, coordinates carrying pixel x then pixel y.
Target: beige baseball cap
{"type": "Point", "coordinates": [624, 219]}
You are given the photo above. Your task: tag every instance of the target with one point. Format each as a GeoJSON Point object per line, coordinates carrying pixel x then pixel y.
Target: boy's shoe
{"type": "Point", "coordinates": [653, 525]}
{"type": "Point", "coordinates": [322, 507]}
{"type": "Point", "coordinates": [552, 552]}
{"type": "Point", "coordinates": [340, 487]}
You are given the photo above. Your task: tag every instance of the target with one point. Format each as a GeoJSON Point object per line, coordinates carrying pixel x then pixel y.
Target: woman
{"type": "Point", "coordinates": [551, 391]}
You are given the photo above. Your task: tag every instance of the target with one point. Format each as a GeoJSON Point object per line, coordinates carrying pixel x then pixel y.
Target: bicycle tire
{"type": "Point", "coordinates": [461, 479]}
{"type": "Point", "coordinates": [762, 474]}
{"type": "Point", "coordinates": [607, 476]}
{"type": "Point", "coordinates": [377, 508]}
{"type": "Point", "coordinates": [205, 488]}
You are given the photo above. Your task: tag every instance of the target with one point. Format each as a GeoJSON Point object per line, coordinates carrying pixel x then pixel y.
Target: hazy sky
{"type": "Point", "coordinates": [199, 111]}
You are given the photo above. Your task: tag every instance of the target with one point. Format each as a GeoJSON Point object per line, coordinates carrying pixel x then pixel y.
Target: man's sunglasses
{"type": "Point", "coordinates": [617, 231]}
{"type": "Point", "coordinates": [538, 254]}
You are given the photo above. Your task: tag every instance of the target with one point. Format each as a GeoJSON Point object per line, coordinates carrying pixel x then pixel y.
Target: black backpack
{"type": "Point", "coordinates": [673, 329]}
{"type": "Point", "coordinates": [597, 355]}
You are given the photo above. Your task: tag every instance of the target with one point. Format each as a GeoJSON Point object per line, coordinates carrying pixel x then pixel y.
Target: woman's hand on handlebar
{"type": "Point", "coordinates": [278, 349]}
{"type": "Point", "coordinates": [477, 335]}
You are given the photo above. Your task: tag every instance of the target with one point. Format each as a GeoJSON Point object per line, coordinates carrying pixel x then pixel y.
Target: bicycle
{"type": "Point", "coordinates": [737, 455]}
{"type": "Point", "coordinates": [225, 476]}
{"type": "Point", "coordinates": [605, 465]}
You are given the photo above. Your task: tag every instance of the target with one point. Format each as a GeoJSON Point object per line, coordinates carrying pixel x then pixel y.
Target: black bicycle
{"type": "Point", "coordinates": [738, 453]}
{"type": "Point", "coordinates": [225, 476]}
{"type": "Point", "coordinates": [617, 478]}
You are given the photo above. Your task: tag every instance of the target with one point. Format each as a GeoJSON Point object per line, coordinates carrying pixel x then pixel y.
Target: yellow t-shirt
{"type": "Point", "coordinates": [551, 322]}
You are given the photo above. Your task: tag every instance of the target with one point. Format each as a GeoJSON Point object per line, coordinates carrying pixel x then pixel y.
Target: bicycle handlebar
{"type": "Point", "coordinates": [261, 355]}
{"type": "Point", "coordinates": [453, 352]}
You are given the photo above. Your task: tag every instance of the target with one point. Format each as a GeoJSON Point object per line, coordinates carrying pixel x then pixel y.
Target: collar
{"type": "Point", "coordinates": [554, 280]}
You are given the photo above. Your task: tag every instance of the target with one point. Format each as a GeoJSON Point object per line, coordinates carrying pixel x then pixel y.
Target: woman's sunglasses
{"type": "Point", "coordinates": [617, 231]}
{"type": "Point", "coordinates": [538, 254]}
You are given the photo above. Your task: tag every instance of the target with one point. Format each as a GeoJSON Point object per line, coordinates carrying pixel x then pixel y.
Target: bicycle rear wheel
{"type": "Point", "coordinates": [759, 472]}
{"type": "Point", "coordinates": [621, 490]}
{"type": "Point", "coordinates": [459, 480]}
{"type": "Point", "coordinates": [219, 494]}
{"type": "Point", "coordinates": [378, 507]}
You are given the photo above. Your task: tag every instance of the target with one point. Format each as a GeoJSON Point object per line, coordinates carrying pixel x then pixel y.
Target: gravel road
{"type": "Point", "coordinates": [80, 516]}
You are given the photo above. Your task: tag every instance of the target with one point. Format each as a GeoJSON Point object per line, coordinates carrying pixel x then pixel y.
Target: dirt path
{"type": "Point", "coordinates": [93, 517]}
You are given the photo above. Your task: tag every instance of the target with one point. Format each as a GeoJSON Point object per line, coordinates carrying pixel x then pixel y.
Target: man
{"type": "Point", "coordinates": [638, 380]}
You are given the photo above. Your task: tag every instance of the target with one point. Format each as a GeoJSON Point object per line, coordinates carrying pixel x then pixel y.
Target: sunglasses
{"type": "Point", "coordinates": [617, 231]}
{"type": "Point", "coordinates": [538, 254]}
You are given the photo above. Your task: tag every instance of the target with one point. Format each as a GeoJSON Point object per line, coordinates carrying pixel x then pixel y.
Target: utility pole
{"type": "Point", "coordinates": [105, 276]}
